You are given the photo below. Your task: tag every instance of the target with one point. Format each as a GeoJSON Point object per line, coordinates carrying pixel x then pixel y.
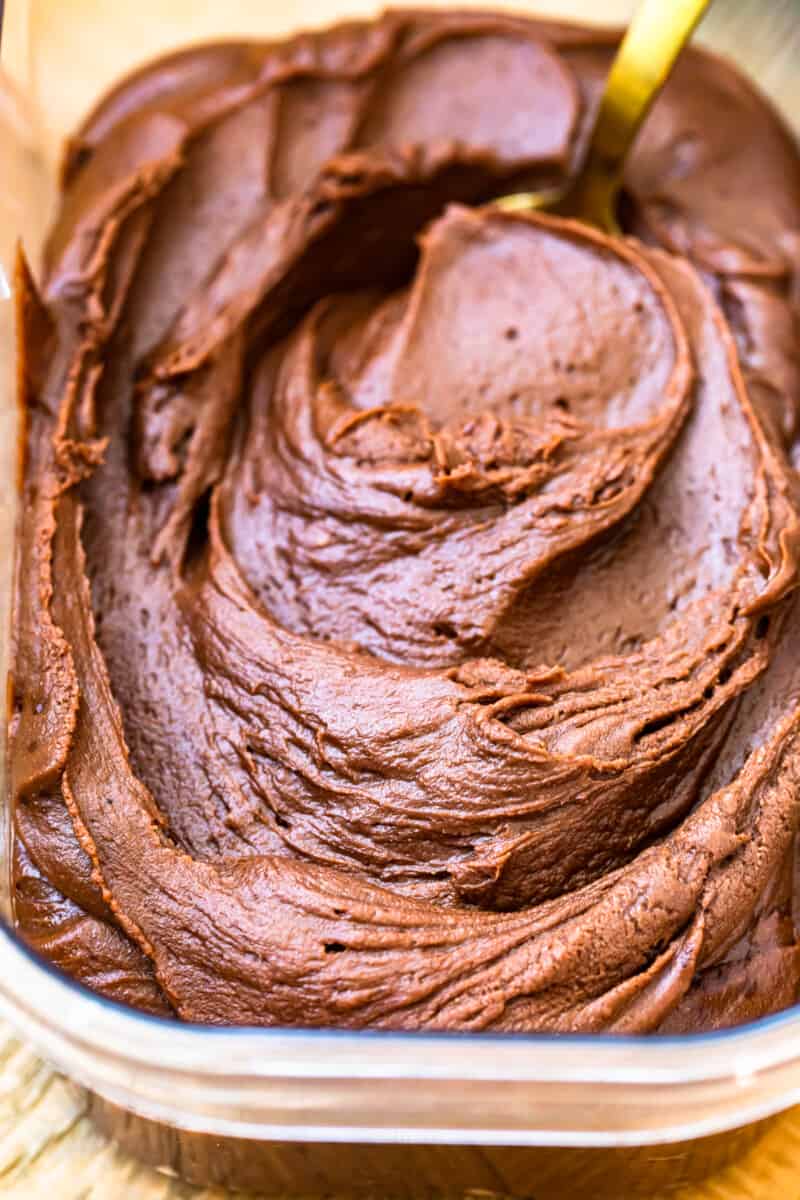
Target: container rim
{"type": "Point", "coordinates": [320, 1085]}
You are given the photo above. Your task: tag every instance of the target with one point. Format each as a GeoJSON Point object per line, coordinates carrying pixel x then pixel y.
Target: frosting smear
{"type": "Point", "coordinates": [406, 632]}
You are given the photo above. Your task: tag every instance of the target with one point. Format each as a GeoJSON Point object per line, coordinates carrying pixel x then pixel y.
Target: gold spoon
{"type": "Point", "coordinates": [655, 37]}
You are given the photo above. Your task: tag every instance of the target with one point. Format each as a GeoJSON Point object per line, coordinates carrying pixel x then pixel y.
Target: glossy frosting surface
{"type": "Point", "coordinates": [406, 632]}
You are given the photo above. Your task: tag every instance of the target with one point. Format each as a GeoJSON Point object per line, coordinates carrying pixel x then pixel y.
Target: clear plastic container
{"type": "Point", "coordinates": [294, 1112]}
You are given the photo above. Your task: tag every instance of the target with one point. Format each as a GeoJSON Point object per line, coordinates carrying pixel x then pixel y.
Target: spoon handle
{"type": "Point", "coordinates": [655, 37]}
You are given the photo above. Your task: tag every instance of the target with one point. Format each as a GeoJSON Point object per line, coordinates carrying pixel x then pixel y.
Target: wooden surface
{"type": "Point", "coordinates": [50, 1151]}
{"type": "Point", "coordinates": [48, 1148]}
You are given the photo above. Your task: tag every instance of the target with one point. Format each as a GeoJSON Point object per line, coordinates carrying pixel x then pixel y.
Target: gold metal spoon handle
{"type": "Point", "coordinates": [656, 35]}
{"type": "Point", "coordinates": [658, 32]}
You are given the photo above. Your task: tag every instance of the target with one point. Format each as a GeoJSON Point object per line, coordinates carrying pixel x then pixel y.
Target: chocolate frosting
{"type": "Point", "coordinates": [405, 628]}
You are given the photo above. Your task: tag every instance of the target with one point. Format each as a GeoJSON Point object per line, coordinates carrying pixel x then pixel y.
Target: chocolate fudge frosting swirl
{"type": "Point", "coordinates": [405, 620]}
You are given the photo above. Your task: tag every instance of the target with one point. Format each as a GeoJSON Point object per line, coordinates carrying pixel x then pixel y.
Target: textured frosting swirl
{"type": "Point", "coordinates": [405, 619]}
